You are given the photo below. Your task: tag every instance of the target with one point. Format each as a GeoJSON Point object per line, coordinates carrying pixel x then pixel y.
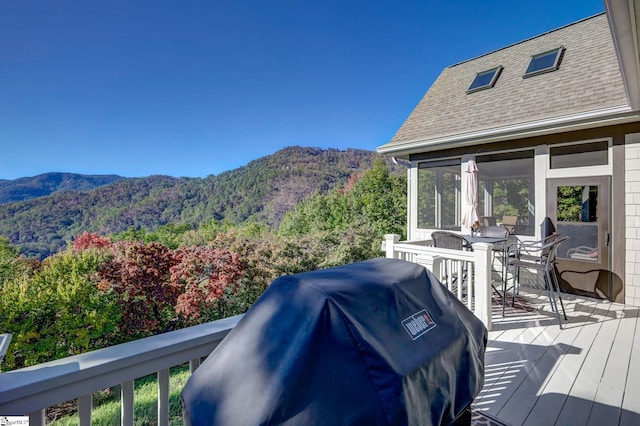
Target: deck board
{"type": "Point", "coordinates": [559, 382]}
{"type": "Point", "coordinates": [587, 373]}
{"type": "Point", "coordinates": [578, 406]}
{"type": "Point", "coordinates": [610, 394]}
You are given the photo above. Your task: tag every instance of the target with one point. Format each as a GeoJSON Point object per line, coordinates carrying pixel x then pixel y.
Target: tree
{"type": "Point", "coordinates": [351, 221]}
{"type": "Point", "coordinates": [376, 198]}
{"type": "Point", "coordinates": [139, 275]}
{"type": "Point", "coordinates": [201, 275]}
{"type": "Point", "coordinates": [380, 200]}
{"type": "Point", "coordinates": [57, 310]}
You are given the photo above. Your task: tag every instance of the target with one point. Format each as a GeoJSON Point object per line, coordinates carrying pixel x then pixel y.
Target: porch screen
{"type": "Point", "coordinates": [439, 195]}
{"type": "Point", "coordinates": [507, 189]}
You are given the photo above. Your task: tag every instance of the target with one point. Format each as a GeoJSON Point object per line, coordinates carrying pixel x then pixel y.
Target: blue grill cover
{"type": "Point", "coordinates": [379, 342]}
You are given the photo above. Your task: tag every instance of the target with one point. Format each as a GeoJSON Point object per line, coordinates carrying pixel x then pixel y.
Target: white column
{"type": "Point", "coordinates": [483, 254]}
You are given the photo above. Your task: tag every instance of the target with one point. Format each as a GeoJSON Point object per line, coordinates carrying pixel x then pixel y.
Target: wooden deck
{"type": "Point", "coordinates": [586, 374]}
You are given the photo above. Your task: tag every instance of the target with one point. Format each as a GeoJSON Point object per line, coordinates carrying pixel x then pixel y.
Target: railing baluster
{"type": "Point", "coordinates": [85, 405]}
{"type": "Point", "coordinates": [163, 397]}
{"type": "Point", "coordinates": [126, 401]}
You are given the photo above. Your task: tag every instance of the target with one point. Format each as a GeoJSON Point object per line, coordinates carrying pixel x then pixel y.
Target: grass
{"type": "Point", "coordinates": [106, 411]}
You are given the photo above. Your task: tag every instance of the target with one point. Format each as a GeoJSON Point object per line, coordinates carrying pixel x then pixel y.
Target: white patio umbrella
{"type": "Point", "coordinates": [470, 218]}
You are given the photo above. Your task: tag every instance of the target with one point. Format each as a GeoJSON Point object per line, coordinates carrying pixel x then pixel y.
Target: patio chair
{"type": "Point", "coordinates": [448, 240]}
{"type": "Point", "coordinates": [494, 231]}
{"type": "Point", "coordinates": [451, 241]}
{"type": "Point", "coordinates": [540, 256]}
{"type": "Point", "coordinates": [487, 221]}
{"type": "Point", "coordinates": [510, 223]}
{"type": "Point", "coordinates": [529, 251]}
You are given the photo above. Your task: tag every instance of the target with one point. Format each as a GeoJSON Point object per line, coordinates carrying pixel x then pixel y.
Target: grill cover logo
{"type": "Point", "coordinates": [418, 324]}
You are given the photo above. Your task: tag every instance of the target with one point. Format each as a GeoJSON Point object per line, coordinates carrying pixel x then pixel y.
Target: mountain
{"type": "Point", "coordinates": [263, 190]}
{"type": "Point", "coordinates": [50, 183]}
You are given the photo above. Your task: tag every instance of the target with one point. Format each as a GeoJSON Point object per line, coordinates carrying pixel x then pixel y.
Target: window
{"type": "Point", "coordinates": [507, 188]}
{"type": "Point", "coordinates": [484, 80]}
{"type": "Point", "coordinates": [577, 214]}
{"type": "Point", "coordinates": [544, 62]}
{"type": "Point", "coordinates": [582, 155]}
{"type": "Point", "coordinates": [439, 195]}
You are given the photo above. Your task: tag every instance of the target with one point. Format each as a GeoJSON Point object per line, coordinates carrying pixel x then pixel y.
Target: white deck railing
{"type": "Point", "coordinates": [445, 263]}
{"type": "Point", "coordinates": [29, 391]}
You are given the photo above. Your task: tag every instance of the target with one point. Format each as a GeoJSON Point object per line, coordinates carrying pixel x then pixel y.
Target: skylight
{"type": "Point", "coordinates": [544, 62]}
{"type": "Point", "coordinates": [484, 80]}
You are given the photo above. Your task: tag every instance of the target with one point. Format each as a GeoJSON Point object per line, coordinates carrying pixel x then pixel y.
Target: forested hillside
{"type": "Point", "coordinates": [48, 183]}
{"type": "Point", "coordinates": [103, 290]}
{"type": "Point", "coordinates": [263, 191]}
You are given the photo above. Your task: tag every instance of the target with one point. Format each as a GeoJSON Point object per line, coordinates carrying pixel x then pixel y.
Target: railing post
{"type": "Point", "coordinates": [483, 255]}
{"type": "Point", "coordinates": [432, 263]}
{"type": "Point", "coordinates": [390, 240]}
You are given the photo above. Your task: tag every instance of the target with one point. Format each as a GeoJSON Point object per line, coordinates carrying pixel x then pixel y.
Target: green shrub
{"type": "Point", "coordinates": [58, 310]}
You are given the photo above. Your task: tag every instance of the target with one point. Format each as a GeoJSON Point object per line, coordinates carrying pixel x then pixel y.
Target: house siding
{"type": "Point", "coordinates": [632, 219]}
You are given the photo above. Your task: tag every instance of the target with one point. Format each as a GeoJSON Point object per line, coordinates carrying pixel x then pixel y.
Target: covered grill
{"type": "Point", "coordinates": [379, 342]}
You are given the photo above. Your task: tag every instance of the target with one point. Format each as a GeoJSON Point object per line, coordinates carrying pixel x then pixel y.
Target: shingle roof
{"type": "Point", "coordinates": [588, 79]}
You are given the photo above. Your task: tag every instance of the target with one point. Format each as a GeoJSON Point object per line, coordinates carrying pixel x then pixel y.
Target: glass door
{"type": "Point", "coordinates": [580, 209]}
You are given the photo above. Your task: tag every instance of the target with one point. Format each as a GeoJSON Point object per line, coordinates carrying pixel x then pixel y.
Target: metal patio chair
{"type": "Point", "coordinates": [540, 256]}
{"type": "Point", "coordinates": [531, 251]}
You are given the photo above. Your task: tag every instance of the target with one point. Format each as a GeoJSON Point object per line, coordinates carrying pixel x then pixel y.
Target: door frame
{"type": "Point", "coordinates": [578, 276]}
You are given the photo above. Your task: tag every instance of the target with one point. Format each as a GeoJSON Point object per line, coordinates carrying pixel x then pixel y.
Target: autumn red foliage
{"type": "Point", "coordinates": [200, 276]}
{"type": "Point", "coordinates": [154, 284]}
{"type": "Point", "coordinates": [139, 275]}
{"type": "Point", "coordinates": [87, 240]}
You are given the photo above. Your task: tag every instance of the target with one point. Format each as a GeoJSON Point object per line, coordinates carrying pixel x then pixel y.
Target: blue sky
{"type": "Point", "coordinates": [193, 88]}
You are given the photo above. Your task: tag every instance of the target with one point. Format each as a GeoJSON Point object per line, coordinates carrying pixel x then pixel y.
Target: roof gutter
{"type": "Point", "coordinates": [588, 120]}
{"type": "Point", "coordinates": [623, 16]}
